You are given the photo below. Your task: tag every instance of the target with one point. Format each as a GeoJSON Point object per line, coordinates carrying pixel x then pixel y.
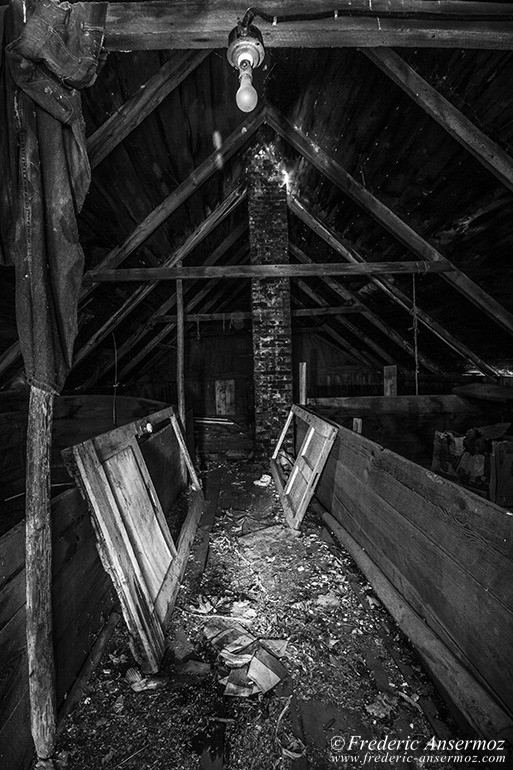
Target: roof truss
{"type": "Point", "coordinates": [407, 23]}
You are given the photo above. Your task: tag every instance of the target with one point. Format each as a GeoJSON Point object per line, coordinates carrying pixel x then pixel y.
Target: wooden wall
{"type": "Point", "coordinates": [82, 601]}
{"type": "Point", "coordinates": [76, 418]}
{"type": "Point", "coordinates": [443, 548]}
{"type": "Point", "coordinates": [406, 424]}
{"type": "Point", "coordinates": [82, 593]}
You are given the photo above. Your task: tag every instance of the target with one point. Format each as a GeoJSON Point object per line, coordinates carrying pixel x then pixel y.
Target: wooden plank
{"type": "Point", "coordinates": [390, 380]}
{"type": "Point", "coordinates": [302, 400]}
{"type": "Point", "coordinates": [38, 575]}
{"type": "Point", "coordinates": [161, 25]}
{"type": "Point", "coordinates": [200, 272]}
{"type": "Point", "coordinates": [176, 572]}
{"type": "Point", "coordinates": [487, 152]}
{"type": "Point", "coordinates": [224, 397]}
{"type": "Point", "coordinates": [119, 560]}
{"type": "Point", "coordinates": [247, 316]}
{"type": "Point", "coordinates": [389, 288]}
{"type": "Point", "coordinates": [141, 104]}
{"type": "Point", "coordinates": [474, 702]}
{"type": "Point", "coordinates": [180, 350]}
{"type": "Point", "coordinates": [444, 548]}
{"type": "Point", "coordinates": [386, 217]}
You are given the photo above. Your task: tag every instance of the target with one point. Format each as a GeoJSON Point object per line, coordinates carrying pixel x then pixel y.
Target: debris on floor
{"type": "Point", "coordinates": [273, 660]}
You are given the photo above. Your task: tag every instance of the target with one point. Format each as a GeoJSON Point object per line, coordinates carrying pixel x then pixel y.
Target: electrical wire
{"type": "Point", "coordinates": [274, 19]}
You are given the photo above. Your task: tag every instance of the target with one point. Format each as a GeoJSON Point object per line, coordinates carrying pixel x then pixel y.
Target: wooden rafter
{"type": "Point", "coordinates": [447, 23]}
{"type": "Point", "coordinates": [386, 217]}
{"type": "Point", "coordinates": [374, 319]}
{"type": "Point", "coordinates": [199, 272]}
{"type": "Point", "coordinates": [487, 152]}
{"type": "Point", "coordinates": [390, 289]}
{"type": "Point", "coordinates": [354, 330]}
{"type": "Point", "coordinates": [141, 104]}
{"type": "Point", "coordinates": [205, 228]}
{"type": "Point", "coordinates": [164, 308]}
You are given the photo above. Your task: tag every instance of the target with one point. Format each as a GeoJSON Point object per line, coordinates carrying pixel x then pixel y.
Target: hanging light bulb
{"type": "Point", "coordinates": [245, 52]}
{"type": "Point", "coordinates": [246, 97]}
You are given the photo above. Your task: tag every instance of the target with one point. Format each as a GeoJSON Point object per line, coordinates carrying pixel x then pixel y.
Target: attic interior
{"type": "Point", "coordinates": [255, 384]}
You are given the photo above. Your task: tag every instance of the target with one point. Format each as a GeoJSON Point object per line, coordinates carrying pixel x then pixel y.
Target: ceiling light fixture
{"type": "Point", "coordinates": [245, 52]}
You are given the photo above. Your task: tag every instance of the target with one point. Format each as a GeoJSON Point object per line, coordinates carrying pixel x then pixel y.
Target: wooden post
{"type": "Point", "coordinates": [390, 380]}
{"type": "Point", "coordinates": [180, 351]}
{"type": "Point", "coordinates": [38, 571]}
{"type": "Point", "coordinates": [302, 383]}
{"type": "Point", "coordinates": [357, 424]}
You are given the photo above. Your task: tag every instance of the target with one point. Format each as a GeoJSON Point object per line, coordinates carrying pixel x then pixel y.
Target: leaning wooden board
{"type": "Point", "coordinates": [134, 540]}
{"type": "Point", "coordinates": [297, 491]}
{"type": "Point", "coordinates": [447, 551]}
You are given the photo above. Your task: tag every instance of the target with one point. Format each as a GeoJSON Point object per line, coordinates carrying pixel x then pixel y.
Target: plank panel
{"type": "Point", "coordinates": [446, 550]}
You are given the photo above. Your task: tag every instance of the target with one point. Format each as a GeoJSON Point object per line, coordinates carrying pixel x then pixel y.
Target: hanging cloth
{"type": "Point", "coordinates": [43, 148]}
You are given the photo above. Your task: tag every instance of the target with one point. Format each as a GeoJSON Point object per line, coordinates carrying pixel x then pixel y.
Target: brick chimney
{"type": "Point", "coordinates": [270, 297]}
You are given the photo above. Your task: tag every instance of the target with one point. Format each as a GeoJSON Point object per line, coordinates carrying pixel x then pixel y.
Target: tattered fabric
{"type": "Point", "coordinates": [58, 51]}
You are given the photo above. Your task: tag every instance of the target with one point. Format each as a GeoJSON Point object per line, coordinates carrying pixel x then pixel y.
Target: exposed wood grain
{"type": "Point", "coordinates": [302, 400]}
{"type": "Point", "coordinates": [141, 104]}
{"type": "Point", "coordinates": [120, 560]}
{"type": "Point", "coordinates": [298, 313]}
{"type": "Point", "coordinates": [444, 548]}
{"type": "Point", "coordinates": [38, 555]}
{"type": "Point", "coordinates": [158, 25]}
{"type": "Point", "coordinates": [474, 702]}
{"type": "Point", "coordinates": [386, 217]}
{"type": "Point", "coordinates": [492, 157]}
{"type": "Point", "coordinates": [264, 271]}
{"type": "Point", "coordinates": [389, 288]}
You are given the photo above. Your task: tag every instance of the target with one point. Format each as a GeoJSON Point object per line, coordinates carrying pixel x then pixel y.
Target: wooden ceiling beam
{"type": "Point", "coordinates": [166, 306]}
{"type": "Point", "coordinates": [141, 104]}
{"type": "Point", "coordinates": [390, 289]}
{"type": "Point", "coordinates": [357, 332]}
{"type": "Point", "coordinates": [374, 319]}
{"type": "Point", "coordinates": [162, 24]}
{"type": "Point", "coordinates": [200, 272]}
{"type": "Point", "coordinates": [209, 224]}
{"type": "Point", "coordinates": [487, 152]}
{"type": "Point", "coordinates": [387, 218]}
{"type": "Point", "coordinates": [247, 316]}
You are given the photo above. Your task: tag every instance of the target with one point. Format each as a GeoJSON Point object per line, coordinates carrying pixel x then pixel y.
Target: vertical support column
{"type": "Point", "coordinates": [180, 351]}
{"type": "Point", "coordinates": [38, 575]}
{"type": "Point", "coordinates": [302, 383]}
{"type": "Point", "coordinates": [180, 364]}
{"type": "Point", "coordinates": [270, 297]}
